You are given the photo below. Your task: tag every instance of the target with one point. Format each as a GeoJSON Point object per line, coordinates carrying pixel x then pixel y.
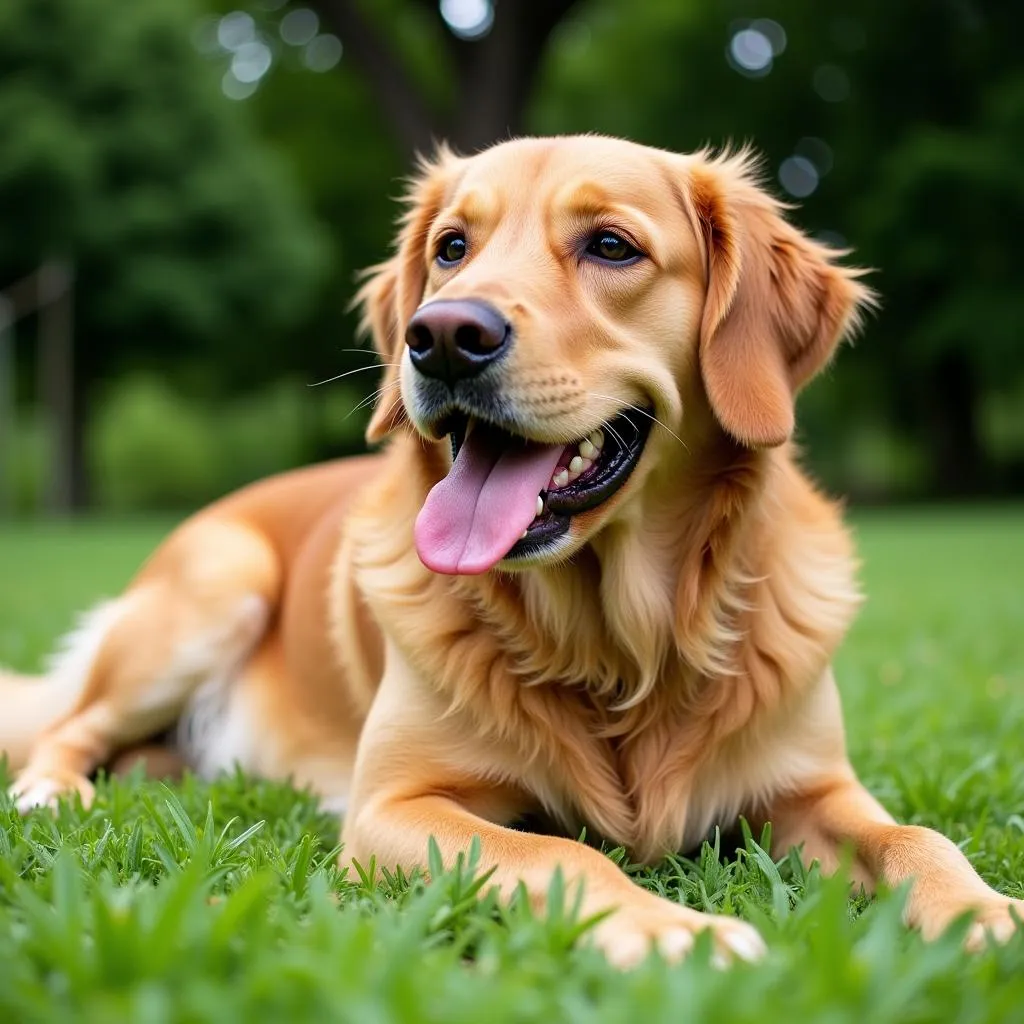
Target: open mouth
{"type": "Point", "coordinates": [507, 497]}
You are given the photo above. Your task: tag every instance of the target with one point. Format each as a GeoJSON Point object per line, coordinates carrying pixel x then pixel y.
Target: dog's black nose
{"type": "Point", "coordinates": [456, 338]}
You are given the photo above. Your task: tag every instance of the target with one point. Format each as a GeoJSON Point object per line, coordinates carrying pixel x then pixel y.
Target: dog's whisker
{"type": "Point", "coordinates": [348, 373]}
{"type": "Point", "coordinates": [361, 351]}
{"type": "Point", "coordinates": [642, 412]}
{"type": "Point", "coordinates": [373, 396]}
{"type": "Point", "coordinates": [391, 408]}
{"type": "Point", "coordinates": [606, 424]}
{"type": "Point", "coordinates": [618, 437]}
{"type": "Point", "coordinates": [654, 419]}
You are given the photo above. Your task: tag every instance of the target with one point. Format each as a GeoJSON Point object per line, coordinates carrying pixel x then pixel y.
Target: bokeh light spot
{"type": "Point", "coordinates": [235, 30]}
{"type": "Point", "coordinates": [751, 51]}
{"type": "Point", "coordinates": [235, 89]}
{"type": "Point", "coordinates": [818, 151]}
{"type": "Point", "coordinates": [831, 83]}
{"type": "Point", "coordinates": [798, 176]}
{"type": "Point", "coordinates": [773, 32]}
{"type": "Point", "coordinates": [251, 61]}
{"type": "Point", "coordinates": [299, 27]}
{"type": "Point", "coordinates": [468, 19]}
{"type": "Point", "coordinates": [322, 53]}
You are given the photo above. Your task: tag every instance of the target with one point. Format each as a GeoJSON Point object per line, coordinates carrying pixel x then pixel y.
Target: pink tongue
{"type": "Point", "coordinates": [474, 516]}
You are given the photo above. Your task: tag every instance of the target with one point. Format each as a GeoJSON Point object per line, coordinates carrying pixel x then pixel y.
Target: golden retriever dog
{"type": "Point", "coordinates": [585, 580]}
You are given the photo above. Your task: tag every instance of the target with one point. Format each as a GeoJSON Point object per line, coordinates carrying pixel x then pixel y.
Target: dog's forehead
{"type": "Point", "coordinates": [586, 171]}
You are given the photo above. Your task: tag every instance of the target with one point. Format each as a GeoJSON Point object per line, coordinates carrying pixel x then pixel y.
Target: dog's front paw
{"type": "Point", "coordinates": [628, 935]}
{"type": "Point", "coordinates": [45, 788]}
{"type": "Point", "coordinates": [995, 922]}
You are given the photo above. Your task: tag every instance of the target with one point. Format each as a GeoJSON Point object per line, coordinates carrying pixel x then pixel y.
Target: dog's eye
{"type": "Point", "coordinates": [612, 248]}
{"type": "Point", "coordinates": [451, 249]}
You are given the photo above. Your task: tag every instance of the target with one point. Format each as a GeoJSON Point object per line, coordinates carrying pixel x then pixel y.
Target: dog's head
{"type": "Point", "coordinates": [566, 310]}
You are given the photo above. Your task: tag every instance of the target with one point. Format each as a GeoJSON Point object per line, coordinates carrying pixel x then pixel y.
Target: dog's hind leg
{"type": "Point", "coordinates": [197, 610]}
{"type": "Point", "coordinates": [29, 705]}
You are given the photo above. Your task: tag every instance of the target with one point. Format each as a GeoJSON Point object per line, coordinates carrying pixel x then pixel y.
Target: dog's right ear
{"type": "Point", "coordinates": [393, 289]}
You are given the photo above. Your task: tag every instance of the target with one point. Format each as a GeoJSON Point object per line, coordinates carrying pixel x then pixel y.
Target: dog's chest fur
{"type": "Point", "coordinates": [725, 673]}
{"type": "Point", "coordinates": [664, 784]}
{"type": "Point", "coordinates": [658, 782]}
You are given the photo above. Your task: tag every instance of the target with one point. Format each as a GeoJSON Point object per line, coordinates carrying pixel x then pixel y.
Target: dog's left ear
{"type": "Point", "coordinates": [393, 289]}
{"type": "Point", "coordinates": [777, 304]}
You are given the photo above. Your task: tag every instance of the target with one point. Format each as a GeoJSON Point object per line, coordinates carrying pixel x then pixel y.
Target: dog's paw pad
{"type": "Point", "coordinates": [996, 925]}
{"type": "Point", "coordinates": [675, 944]}
{"type": "Point", "coordinates": [743, 941]}
{"type": "Point", "coordinates": [35, 791]}
{"type": "Point", "coordinates": [41, 793]}
{"type": "Point", "coordinates": [650, 923]}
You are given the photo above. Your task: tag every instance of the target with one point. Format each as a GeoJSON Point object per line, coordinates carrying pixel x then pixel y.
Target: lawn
{"type": "Point", "coordinates": [221, 902]}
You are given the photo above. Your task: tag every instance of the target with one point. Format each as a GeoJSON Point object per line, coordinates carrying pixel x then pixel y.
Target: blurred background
{"type": "Point", "coordinates": [187, 189]}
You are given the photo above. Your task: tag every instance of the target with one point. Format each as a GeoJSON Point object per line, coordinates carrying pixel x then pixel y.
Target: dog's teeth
{"type": "Point", "coordinates": [578, 466]}
{"type": "Point", "coordinates": [560, 479]}
{"type": "Point", "coordinates": [540, 505]}
{"type": "Point", "coordinates": [524, 533]}
{"type": "Point", "coordinates": [597, 439]}
{"type": "Point", "coordinates": [587, 449]}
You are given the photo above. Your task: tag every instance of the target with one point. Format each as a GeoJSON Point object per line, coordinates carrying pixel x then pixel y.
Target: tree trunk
{"type": "Point", "coordinates": [57, 386]}
{"type": "Point", "coordinates": [958, 458]}
{"type": "Point", "coordinates": [495, 74]}
{"type": "Point", "coordinates": [7, 395]}
{"type": "Point", "coordinates": [76, 466]}
{"type": "Point", "coordinates": [400, 101]}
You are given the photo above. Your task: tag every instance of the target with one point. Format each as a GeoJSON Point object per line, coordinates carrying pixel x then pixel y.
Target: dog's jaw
{"type": "Point", "coordinates": [509, 499]}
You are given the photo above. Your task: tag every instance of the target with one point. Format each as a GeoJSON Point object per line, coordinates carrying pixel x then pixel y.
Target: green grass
{"type": "Point", "coordinates": [222, 903]}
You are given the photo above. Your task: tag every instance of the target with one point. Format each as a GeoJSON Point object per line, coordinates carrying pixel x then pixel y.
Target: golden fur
{"type": "Point", "coordinates": [668, 671]}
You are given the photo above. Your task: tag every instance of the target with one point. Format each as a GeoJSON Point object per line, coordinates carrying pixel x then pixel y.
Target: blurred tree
{"type": "Point", "coordinates": [121, 155]}
{"type": "Point", "coordinates": [938, 144]}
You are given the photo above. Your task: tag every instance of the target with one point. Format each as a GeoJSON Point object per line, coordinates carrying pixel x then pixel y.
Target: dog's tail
{"type": "Point", "coordinates": [28, 705]}
{"type": "Point", "coordinates": [31, 704]}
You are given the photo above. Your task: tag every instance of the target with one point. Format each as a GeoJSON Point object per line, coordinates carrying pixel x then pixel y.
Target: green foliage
{"type": "Point", "coordinates": [152, 447]}
{"type": "Point", "coordinates": [222, 901]}
{"type": "Point", "coordinates": [121, 155]}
